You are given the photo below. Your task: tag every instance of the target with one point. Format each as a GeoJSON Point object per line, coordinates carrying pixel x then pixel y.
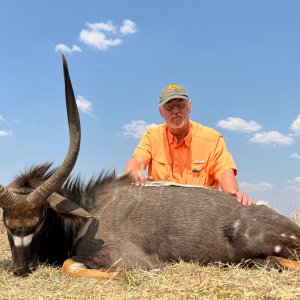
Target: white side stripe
{"type": "Point", "coordinates": [22, 241]}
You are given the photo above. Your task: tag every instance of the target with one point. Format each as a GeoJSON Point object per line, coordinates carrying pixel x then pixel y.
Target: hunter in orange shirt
{"type": "Point", "coordinates": [183, 151]}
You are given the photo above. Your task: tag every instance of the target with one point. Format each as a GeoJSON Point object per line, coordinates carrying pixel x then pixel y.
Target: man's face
{"type": "Point", "coordinates": [176, 112]}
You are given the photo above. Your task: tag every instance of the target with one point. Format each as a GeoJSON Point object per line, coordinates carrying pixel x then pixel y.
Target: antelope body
{"type": "Point", "coordinates": [109, 224]}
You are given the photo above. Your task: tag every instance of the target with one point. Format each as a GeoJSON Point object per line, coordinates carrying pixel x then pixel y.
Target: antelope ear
{"type": "Point", "coordinates": [66, 207]}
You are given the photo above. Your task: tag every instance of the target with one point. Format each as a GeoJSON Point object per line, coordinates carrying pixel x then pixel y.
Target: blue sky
{"type": "Point", "coordinates": [239, 60]}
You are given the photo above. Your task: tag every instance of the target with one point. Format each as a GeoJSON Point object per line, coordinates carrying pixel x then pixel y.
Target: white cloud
{"type": "Point", "coordinates": [65, 49]}
{"type": "Point", "coordinates": [84, 105]}
{"type": "Point", "coordinates": [261, 186]}
{"type": "Point", "coordinates": [5, 133]}
{"type": "Point", "coordinates": [272, 138]}
{"type": "Point", "coordinates": [238, 124]}
{"type": "Point", "coordinates": [128, 27]}
{"type": "Point", "coordinates": [98, 35]}
{"type": "Point", "coordinates": [136, 128]}
{"type": "Point", "coordinates": [105, 35]}
{"type": "Point", "coordinates": [295, 181]}
{"type": "Point", "coordinates": [2, 119]}
{"type": "Point", "coordinates": [295, 127]}
{"type": "Point", "coordinates": [108, 26]}
{"type": "Point", "coordinates": [295, 155]}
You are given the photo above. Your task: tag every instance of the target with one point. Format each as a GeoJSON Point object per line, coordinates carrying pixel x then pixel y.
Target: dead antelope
{"type": "Point", "coordinates": [50, 221]}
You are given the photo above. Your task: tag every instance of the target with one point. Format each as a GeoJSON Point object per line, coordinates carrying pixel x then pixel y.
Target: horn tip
{"type": "Point", "coordinates": [64, 59]}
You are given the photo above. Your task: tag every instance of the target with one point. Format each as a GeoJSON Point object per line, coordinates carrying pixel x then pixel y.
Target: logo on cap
{"type": "Point", "coordinates": [173, 86]}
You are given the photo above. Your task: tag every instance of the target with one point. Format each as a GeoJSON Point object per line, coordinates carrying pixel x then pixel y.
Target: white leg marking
{"type": "Point", "coordinates": [76, 266]}
{"type": "Point", "coordinates": [24, 241]}
{"type": "Point", "coordinates": [283, 235]}
{"type": "Point", "coordinates": [292, 237]}
{"type": "Point", "coordinates": [277, 249]}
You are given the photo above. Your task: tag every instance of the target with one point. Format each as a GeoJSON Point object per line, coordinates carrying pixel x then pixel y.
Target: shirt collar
{"type": "Point", "coordinates": [171, 138]}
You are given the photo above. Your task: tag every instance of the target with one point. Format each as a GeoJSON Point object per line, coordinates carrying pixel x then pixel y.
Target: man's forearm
{"type": "Point", "coordinates": [228, 184]}
{"type": "Point", "coordinates": [135, 164]}
{"type": "Point", "coordinates": [228, 181]}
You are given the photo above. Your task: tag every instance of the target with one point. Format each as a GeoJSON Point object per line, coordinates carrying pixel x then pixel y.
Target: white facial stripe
{"type": "Point", "coordinates": [24, 241]}
{"type": "Point", "coordinates": [17, 241]}
{"type": "Point", "coordinates": [27, 239]}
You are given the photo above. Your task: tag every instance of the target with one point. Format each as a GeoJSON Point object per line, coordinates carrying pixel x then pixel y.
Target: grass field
{"type": "Point", "coordinates": [178, 281]}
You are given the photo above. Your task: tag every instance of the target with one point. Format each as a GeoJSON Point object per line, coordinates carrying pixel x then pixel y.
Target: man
{"type": "Point", "coordinates": [183, 151]}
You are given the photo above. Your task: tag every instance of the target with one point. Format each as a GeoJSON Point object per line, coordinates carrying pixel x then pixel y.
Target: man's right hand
{"type": "Point", "coordinates": [135, 167]}
{"type": "Point", "coordinates": [138, 178]}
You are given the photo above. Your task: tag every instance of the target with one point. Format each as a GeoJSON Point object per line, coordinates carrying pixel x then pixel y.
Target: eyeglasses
{"type": "Point", "coordinates": [171, 107]}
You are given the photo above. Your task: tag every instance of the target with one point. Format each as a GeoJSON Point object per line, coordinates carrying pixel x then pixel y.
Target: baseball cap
{"type": "Point", "coordinates": [173, 91]}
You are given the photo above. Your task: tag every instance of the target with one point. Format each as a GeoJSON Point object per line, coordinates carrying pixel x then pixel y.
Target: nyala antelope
{"type": "Point", "coordinates": [107, 224]}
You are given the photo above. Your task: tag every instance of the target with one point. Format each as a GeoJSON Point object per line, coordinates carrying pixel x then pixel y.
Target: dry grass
{"type": "Point", "coordinates": [179, 281]}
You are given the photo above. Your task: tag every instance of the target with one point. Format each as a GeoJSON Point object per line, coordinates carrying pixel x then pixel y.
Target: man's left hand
{"type": "Point", "coordinates": [243, 198]}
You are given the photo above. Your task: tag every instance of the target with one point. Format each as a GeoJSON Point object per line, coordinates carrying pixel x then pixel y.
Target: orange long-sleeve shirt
{"type": "Point", "coordinates": [199, 159]}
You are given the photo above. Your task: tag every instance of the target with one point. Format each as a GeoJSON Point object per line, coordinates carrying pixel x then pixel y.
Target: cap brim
{"type": "Point", "coordinates": [164, 101]}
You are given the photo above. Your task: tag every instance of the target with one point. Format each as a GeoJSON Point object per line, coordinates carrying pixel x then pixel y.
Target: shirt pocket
{"type": "Point", "coordinates": [196, 175]}
{"type": "Point", "coordinates": [159, 167]}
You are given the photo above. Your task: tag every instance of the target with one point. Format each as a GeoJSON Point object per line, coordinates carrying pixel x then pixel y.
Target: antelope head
{"type": "Point", "coordinates": [24, 208]}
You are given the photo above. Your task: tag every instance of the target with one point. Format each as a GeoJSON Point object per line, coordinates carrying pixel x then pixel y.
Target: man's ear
{"type": "Point", "coordinates": [190, 106]}
{"type": "Point", "coordinates": [161, 113]}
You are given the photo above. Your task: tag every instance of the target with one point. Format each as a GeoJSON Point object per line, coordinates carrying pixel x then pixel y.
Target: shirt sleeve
{"type": "Point", "coordinates": [144, 148]}
{"type": "Point", "coordinates": [221, 159]}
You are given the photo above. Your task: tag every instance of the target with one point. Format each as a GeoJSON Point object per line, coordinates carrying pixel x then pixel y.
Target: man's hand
{"type": "Point", "coordinates": [229, 185]}
{"type": "Point", "coordinates": [242, 198]}
{"type": "Point", "coordinates": [138, 178]}
{"type": "Point", "coordinates": [135, 167]}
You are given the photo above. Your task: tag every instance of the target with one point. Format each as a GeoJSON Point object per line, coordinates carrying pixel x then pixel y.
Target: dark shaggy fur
{"type": "Point", "coordinates": [59, 233]}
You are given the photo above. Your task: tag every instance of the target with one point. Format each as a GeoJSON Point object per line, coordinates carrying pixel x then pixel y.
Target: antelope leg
{"type": "Point", "coordinates": [282, 263]}
{"type": "Point", "coordinates": [73, 268]}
